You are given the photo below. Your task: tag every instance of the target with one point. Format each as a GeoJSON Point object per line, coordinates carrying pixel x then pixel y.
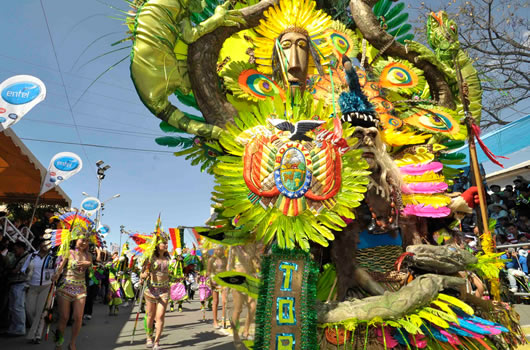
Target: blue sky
{"type": "Point", "coordinates": [110, 113]}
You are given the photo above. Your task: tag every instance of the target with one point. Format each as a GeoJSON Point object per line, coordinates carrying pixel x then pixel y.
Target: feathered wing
{"type": "Point", "coordinates": [304, 126]}
{"type": "Point", "coordinates": [282, 125]}
{"type": "Point", "coordinates": [327, 166]}
{"type": "Point", "coordinates": [260, 155]}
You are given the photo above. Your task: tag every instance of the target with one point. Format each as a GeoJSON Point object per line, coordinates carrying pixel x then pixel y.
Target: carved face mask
{"type": "Point", "coordinates": [296, 49]}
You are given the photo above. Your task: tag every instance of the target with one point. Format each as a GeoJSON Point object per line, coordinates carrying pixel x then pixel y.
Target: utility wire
{"type": "Point", "coordinates": [62, 80]}
{"type": "Point", "coordinates": [98, 146]}
{"type": "Point", "coordinates": [105, 130]}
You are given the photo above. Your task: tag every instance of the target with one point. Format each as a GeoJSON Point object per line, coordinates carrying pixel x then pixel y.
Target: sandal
{"type": "Point", "coordinates": [149, 343]}
{"type": "Point", "coordinates": [157, 347]}
{"type": "Point", "coordinates": [59, 339]}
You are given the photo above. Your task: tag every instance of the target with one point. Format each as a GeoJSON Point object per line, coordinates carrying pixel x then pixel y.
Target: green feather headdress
{"type": "Point", "coordinates": [269, 223]}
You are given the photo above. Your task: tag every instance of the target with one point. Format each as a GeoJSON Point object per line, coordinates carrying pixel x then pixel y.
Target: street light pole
{"type": "Point", "coordinates": [101, 175]}
{"type": "Point", "coordinates": [121, 233]}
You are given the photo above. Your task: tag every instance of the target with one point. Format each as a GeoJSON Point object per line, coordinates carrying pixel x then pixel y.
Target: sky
{"type": "Point", "coordinates": [56, 41]}
{"type": "Point", "coordinates": [110, 114]}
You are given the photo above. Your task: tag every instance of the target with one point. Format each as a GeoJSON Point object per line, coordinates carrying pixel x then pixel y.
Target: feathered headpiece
{"type": "Point", "coordinates": [292, 16]}
{"type": "Point", "coordinates": [76, 225]}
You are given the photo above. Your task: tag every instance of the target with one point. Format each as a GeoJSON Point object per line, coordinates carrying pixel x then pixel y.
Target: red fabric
{"type": "Point", "coordinates": [174, 234]}
{"type": "Point", "coordinates": [197, 236]}
{"type": "Point", "coordinates": [476, 132]}
{"type": "Point", "coordinates": [471, 196]}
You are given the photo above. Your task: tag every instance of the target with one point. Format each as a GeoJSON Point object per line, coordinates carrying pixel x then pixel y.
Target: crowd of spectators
{"type": "Point", "coordinates": [26, 277]}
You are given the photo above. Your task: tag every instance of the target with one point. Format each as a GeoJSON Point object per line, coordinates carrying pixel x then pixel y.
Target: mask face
{"type": "Point", "coordinates": [296, 49]}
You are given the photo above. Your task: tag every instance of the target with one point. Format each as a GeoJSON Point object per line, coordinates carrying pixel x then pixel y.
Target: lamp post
{"type": "Point", "coordinates": [122, 231]}
{"type": "Point", "coordinates": [102, 167]}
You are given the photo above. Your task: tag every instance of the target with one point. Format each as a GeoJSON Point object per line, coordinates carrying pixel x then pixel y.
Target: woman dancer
{"type": "Point", "coordinates": [157, 293]}
{"type": "Point", "coordinates": [217, 264]}
{"type": "Point", "coordinates": [71, 293]}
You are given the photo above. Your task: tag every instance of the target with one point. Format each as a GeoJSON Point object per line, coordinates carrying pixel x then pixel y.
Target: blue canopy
{"type": "Point", "coordinates": [504, 141]}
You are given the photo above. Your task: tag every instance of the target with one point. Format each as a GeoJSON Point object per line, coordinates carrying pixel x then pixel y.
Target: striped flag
{"type": "Point", "coordinates": [174, 234]}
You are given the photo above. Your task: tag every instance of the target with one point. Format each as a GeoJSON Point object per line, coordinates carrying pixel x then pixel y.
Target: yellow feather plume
{"type": "Point", "coordinates": [436, 200]}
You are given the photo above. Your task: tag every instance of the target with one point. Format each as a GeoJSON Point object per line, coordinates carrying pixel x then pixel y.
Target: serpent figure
{"type": "Point", "coordinates": [442, 36]}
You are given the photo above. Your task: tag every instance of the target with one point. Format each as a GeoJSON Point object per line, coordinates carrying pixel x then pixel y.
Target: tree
{"type": "Point", "coordinates": [496, 35]}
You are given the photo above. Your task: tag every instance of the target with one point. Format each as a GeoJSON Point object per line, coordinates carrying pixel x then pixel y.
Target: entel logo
{"type": "Point", "coordinates": [21, 93]}
{"type": "Point", "coordinates": [66, 163]}
{"type": "Point", "coordinates": [90, 205]}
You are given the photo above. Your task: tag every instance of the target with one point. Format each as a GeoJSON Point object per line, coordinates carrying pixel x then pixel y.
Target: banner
{"type": "Point", "coordinates": [90, 205]}
{"type": "Point", "coordinates": [18, 95]}
{"type": "Point", "coordinates": [62, 166]}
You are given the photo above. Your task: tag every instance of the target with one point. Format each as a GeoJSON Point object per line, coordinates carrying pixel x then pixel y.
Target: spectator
{"type": "Point", "coordinates": [522, 202]}
{"type": "Point", "coordinates": [523, 224]}
{"type": "Point", "coordinates": [40, 269]}
{"type": "Point", "coordinates": [497, 211]}
{"type": "Point", "coordinates": [523, 254]}
{"type": "Point", "coordinates": [520, 183]}
{"type": "Point", "coordinates": [512, 230]}
{"type": "Point", "coordinates": [500, 226]}
{"type": "Point", "coordinates": [496, 189]}
{"type": "Point", "coordinates": [16, 299]}
{"type": "Point", "coordinates": [512, 266]}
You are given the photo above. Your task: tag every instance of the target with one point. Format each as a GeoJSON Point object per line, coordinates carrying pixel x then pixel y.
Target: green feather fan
{"type": "Point", "coordinates": [269, 223]}
{"type": "Point", "coordinates": [392, 19]}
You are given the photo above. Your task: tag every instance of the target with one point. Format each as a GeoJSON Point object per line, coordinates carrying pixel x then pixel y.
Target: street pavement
{"type": "Point", "coordinates": [184, 330]}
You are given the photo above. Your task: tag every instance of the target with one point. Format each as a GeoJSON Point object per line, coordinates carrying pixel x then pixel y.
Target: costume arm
{"type": "Point", "coordinates": [221, 17]}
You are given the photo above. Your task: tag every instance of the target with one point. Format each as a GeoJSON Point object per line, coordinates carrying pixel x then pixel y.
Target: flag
{"type": "Point", "coordinates": [198, 237]}
{"type": "Point", "coordinates": [174, 234]}
{"type": "Point", "coordinates": [158, 226]}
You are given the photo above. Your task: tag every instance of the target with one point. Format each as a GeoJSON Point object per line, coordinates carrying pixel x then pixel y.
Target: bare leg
{"type": "Point", "coordinates": [64, 314]}
{"type": "Point", "coordinates": [238, 307]}
{"type": "Point", "coordinates": [223, 306]}
{"type": "Point", "coordinates": [250, 316]}
{"type": "Point", "coordinates": [215, 304]}
{"type": "Point", "coordinates": [150, 310]}
{"type": "Point", "coordinates": [160, 316]}
{"type": "Point", "coordinates": [79, 307]}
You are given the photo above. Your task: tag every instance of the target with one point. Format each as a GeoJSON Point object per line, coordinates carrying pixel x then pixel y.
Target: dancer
{"type": "Point", "coordinates": [156, 271]}
{"type": "Point", "coordinates": [125, 276]}
{"type": "Point", "coordinates": [245, 259]}
{"type": "Point", "coordinates": [115, 295]}
{"type": "Point", "coordinates": [178, 289]}
{"type": "Point", "coordinates": [216, 264]}
{"type": "Point", "coordinates": [205, 292]}
{"type": "Point", "coordinates": [72, 291]}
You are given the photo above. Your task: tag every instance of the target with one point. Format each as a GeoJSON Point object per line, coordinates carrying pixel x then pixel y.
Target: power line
{"type": "Point", "coordinates": [62, 80]}
{"type": "Point", "coordinates": [17, 59]}
{"type": "Point", "coordinates": [106, 130]}
{"type": "Point", "coordinates": [98, 146]}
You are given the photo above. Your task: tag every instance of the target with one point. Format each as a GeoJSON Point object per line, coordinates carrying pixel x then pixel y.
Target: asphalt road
{"type": "Point", "coordinates": [184, 330]}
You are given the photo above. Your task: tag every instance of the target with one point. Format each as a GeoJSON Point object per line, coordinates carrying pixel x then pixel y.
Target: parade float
{"type": "Point", "coordinates": [329, 145]}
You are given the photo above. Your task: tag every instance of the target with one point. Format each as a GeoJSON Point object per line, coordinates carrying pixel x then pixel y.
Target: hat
{"type": "Point", "coordinates": [502, 206]}
{"type": "Point", "coordinates": [511, 250]}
